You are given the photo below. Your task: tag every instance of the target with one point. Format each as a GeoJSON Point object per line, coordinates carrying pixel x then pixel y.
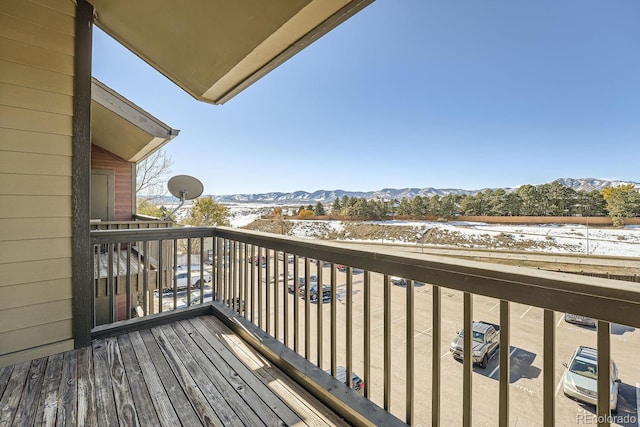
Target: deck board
{"type": "Point", "coordinates": [68, 391]}
{"type": "Point", "coordinates": [191, 372]}
{"type": "Point", "coordinates": [25, 412]}
{"type": "Point", "coordinates": [47, 405]}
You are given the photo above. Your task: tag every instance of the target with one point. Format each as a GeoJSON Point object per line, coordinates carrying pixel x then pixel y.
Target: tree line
{"type": "Point", "coordinates": [551, 199]}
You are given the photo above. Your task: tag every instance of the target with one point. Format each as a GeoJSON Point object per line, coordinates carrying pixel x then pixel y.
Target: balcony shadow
{"type": "Point", "coordinates": [521, 366]}
{"type": "Point", "coordinates": [621, 329]}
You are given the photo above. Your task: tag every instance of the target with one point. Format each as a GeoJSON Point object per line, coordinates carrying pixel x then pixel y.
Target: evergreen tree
{"type": "Point", "coordinates": [318, 210]}
{"type": "Point", "coordinates": [404, 208]}
{"type": "Point", "coordinates": [529, 196]}
{"type": "Point", "coordinates": [434, 205]}
{"type": "Point", "coordinates": [418, 206]}
{"type": "Point", "coordinates": [449, 206]}
{"type": "Point", "coordinates": [336, 207]}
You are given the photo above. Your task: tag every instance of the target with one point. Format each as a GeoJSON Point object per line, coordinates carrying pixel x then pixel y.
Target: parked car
{"type": "Point", "coordinates": [196, 278]}
{"type": "Point", "coordinates": [341, 267]}
{"type": "Point", "coordinates": [580, 320]}
{"type": "Point", "coordinates": [398, 281]}
{"type": "Point", "coordinates": [182, 279]}
{"type": "Point", "coordinates": [313, 292]}
{"type": "Point", "coordinates": [341, 375]}
{"type": "Point", "coordinates": [486, 342]}
{"type": "Point", "coordinates": [302, 282]}
{"type": "Point", "coordinates": [580, 377]}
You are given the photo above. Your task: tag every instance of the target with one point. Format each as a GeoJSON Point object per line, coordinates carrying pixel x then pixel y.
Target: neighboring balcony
{"type": "Point", "coordinates": [262, 302]}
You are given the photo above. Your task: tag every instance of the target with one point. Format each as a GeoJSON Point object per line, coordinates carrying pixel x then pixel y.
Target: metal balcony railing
{"type": "Point", "coordinates": [269, 281]}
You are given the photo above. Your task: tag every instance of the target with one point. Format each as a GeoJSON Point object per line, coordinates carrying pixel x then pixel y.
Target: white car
{"type": "Point", "coordinates": [580, 378]}
{"type": "Point", "coordinates": [196, 278]}
{"type": "Point", "coordinates": [182, 279]}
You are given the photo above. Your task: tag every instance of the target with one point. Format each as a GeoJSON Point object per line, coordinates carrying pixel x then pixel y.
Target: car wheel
{"type": "Point", "coordinates": [484, 362]}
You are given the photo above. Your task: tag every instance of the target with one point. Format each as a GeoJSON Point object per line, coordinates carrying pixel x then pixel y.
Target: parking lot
{"type": "Point", "coordinates": [526, 354]}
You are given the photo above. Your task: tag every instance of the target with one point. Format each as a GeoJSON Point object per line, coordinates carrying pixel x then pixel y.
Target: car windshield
{"type": "Point", "coordinates": [585, 369]}
{"type": "Point", "coordinates": [477, 336]}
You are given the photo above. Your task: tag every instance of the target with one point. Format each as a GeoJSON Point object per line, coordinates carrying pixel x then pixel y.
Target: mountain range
{"type": "Point", "coordinates": [328, 196]}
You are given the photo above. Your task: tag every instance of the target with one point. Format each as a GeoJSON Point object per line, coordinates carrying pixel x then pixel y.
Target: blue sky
{"type": "Point", "coordinates": [418, 93]}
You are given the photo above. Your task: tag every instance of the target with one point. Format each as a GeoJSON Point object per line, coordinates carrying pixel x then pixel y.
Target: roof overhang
{"type": "Point", "coordinates": [214, 49]}
{"type": "Point", "coordinates": [122, 128]}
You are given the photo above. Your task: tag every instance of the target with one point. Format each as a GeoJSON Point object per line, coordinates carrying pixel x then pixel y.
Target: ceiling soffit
{"type": "Point", "coordinates": [214, 49]}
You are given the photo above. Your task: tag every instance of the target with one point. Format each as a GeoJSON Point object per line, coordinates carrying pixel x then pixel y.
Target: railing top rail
{"type": "Point", "coordinates": [147, 234]}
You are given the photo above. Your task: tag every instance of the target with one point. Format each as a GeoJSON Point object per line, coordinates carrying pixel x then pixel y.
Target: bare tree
{"type": "Point", "coordinates": [151, 176]}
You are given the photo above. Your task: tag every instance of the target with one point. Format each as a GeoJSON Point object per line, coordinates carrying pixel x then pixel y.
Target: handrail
{"type": "Point", "coordinates": [608, 301]}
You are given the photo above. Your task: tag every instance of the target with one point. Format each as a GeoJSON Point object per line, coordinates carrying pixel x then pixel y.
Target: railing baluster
{"type": "Point", "coordinates": [505, 363]}
{"type": "Point", "coordinates": [267, 286]}
{"type": "Point", "coordinates": [229, 275]}
{"type": "Point", "coordinates": [285, 274]}
{"type": "Point", "coordinates": [234, 274]}
{"type": "Point", "coordinates": [548, 368]}
{"type": "Point", "coordinates": [435, 356]}
{"type": "Point", "coordinates": [334, 304]}
{"type": "Point", "coordinates": [410, 353]}
{"type": "Point", "coordinates": [145, 277]}
{"type": "Point", "coordinates": [253, 284]}
{"type": "Point", "coordinates": [307, 309]}
{"type": "Point", "coordinates": [174, 276]}
{"type": "Point", "coordinates": [367, 332]}
{"type": "Point", "coordinates": [95, 279]}
{"type": "Point", "coordinates": [296, 322]}
{"type": "Point", "coordinates": [604, 372]}
{"type": "Point", "coordinates": [246, 279]}
{"type": "Point", "coordinates": [128, 281]}
{"type": "Point", "coordinates": [201, 270]}
{"type": "Point", "coordinates": [159, 276]}
{"type": "Point", "coordinates": [188, 272]}
{"type": "Point", "coordinates": [468, 360]}
{"type": "Point", "coordinates": [276, 286]}
{"type": "Point", "coordinates": [387, 342]}
{"type": "Point", "coordinates": [110, 283]}
{"type": "Point", "coordinates": [319, 313]}
{"type": "Point", "coordinates": [349, 334]}
{"type": "Point", "coordinates": [117, 276]}
{"type": "Point", "coordinates": [218, 286]}
{"type": "Point", "coordinates": [241, 278]}
{"type": "Point", "coordinates": [259, 267]}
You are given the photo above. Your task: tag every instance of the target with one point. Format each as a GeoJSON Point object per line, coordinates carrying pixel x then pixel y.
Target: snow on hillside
{"type": "Point", "coordinates": [561, 238]}
{"type": "Point", "coordinates": [551, 238]}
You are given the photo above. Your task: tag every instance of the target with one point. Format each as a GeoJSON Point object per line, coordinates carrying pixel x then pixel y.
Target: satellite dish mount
{"type": "Point", "coordinates": [184, 187]}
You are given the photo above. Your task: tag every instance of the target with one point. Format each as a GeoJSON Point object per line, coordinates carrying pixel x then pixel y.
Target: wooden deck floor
{"type": "Point", "coordinates": [192, 372]}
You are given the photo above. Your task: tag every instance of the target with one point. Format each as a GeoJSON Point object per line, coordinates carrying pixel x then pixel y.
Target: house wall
{"type": "Point", "coordinates": [36, 114]}
{"type": "Point", "coordinates": [102, 159]}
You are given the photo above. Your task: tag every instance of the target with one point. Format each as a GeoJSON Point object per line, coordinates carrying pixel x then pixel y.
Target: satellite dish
{"type": "Point", "coordinates": [184, 187]}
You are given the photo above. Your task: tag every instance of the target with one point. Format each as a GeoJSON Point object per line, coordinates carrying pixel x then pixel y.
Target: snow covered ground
{"type": "Point", "coordinates": [553, 238]}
